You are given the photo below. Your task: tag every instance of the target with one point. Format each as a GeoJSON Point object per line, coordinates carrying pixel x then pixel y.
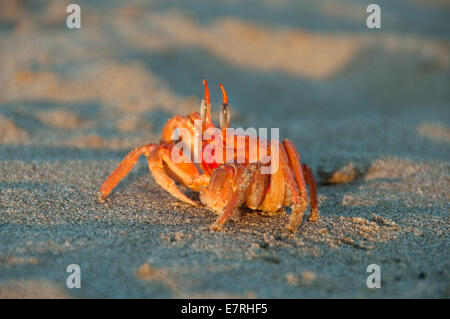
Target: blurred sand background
{"type": "Point", "coordinates": [369, 110]}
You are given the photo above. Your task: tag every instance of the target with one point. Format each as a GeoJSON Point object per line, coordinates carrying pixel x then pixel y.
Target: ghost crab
{"type": "Point", "coordinates": [225, 186]}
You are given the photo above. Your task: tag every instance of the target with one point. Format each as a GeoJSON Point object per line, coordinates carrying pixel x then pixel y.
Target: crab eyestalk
{"type": "Point", "coordinates": [205, 107]}
{"type": "Point", "coordinates": [224, 111]}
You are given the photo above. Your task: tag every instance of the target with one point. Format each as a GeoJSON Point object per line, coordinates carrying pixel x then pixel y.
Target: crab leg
{"type": "Point", "coordinates": [156, 166]}
{"type": "Point", "coordinates": [123, 169]}
{"type": "Point", "coordinates": [275, 194]}
{"type": "Point", "coordinates": [242, 179]}
{"type": "Point", "coordinates": [294, 163]}
{"type": "Point", "coordinates": [309, 176]}
{"type": "Point", "coordinates": [257, 190]}
{"type": "Point", "coordinates": [297, 203]}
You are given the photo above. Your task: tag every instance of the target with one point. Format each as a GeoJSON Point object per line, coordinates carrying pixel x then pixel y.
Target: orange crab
{"type": "Point", "coordinates": [225, 186]}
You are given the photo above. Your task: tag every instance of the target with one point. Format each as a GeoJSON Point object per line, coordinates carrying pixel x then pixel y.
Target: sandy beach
{"type": "Point", "coordinates": [369, 111]}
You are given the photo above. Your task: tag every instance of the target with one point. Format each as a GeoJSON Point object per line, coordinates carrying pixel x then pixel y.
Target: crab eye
{"type": "Point", "coordinates": [225, 110]}
{"type": "Point", "coordinates": [203, 107]}
{"type": "Point", "coordinates": [224, 116]}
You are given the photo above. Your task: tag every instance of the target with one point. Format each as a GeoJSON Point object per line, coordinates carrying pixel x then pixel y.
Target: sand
{"type": "Point", "coordinates": [369, 111]}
